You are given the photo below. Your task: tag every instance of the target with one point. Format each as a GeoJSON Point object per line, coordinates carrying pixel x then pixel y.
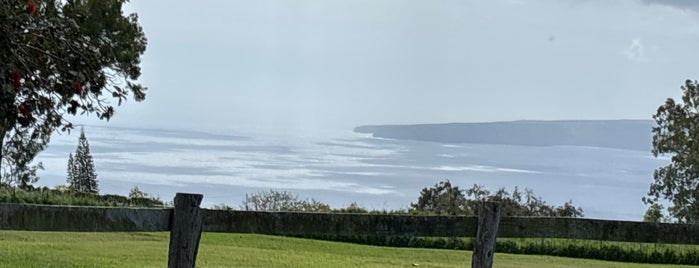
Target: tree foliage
{"type": "Point", "coordinates": [139, 198]}
{"type": "Point", "coordinates": [352, 208]}
{"type": "Point", "coordinates": [61, 57]}
{"type": "Point", "coordinates": [15, 162]}
{"type": "Point", "coordinates": [135, 192]}
{"type": "Point", "coordinates": [442, 199]}
{"type": "Point", "coordinates": [82, 177]}
{"type": "Point", "coordinates": [274, 200]}
{"type": "Point", "coordinates": [445, 199]}
{"type": "Point", "coordinates": [677, 133]}
{"type": "Point", "coordinates": [70, 175]}
{"type": "Point", "coordinates": [654, 213]}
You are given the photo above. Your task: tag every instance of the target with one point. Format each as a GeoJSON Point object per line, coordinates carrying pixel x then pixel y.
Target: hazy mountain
{"type": "Point", "coordinates": [620, 134]}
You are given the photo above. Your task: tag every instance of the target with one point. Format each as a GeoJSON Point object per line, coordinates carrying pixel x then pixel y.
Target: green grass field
{"type": "Point", "coordinates": [68, 249]}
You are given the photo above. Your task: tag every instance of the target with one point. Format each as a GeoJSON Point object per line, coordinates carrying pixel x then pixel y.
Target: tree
{"type": "Point", "coordinates": [442, 199]}
{"type": "Point", "coordinates": [81, 168]}
{"type": "Point", "coordinates": [16, 156]}
{"type": "Point", "coordinates": [654, 213]}
{"type": "Point", "coordinates": [140, 198]}
{"type": "Point", "coordinates": [273, 200]}
{"type": "Point", "coordinates": [677, 133]}
{"type": "Point", "coordinates": [445, 199]}
{"type": "Point", "coordinates": [568, 210]}
{"type": "Point", "coordinates": [352, 208]}
{"type": "Point", "coordinates": [137, 193]}
{"type": "Point", "coordinates": [70, 176]}
{"type": "Point", "coordinates": [518, 204]}
{"type": "Point", "coordinates": [59, 58]}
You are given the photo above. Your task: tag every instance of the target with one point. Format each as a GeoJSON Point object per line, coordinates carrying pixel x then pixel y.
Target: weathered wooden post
{"type": "Point", "coordinates": [185, 231]}
{"type": "Point", "coordinates": [484, 245]}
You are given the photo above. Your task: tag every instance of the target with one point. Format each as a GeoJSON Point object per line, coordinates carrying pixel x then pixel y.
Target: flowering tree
{"type": "Point", "coordinates": [60, 57]}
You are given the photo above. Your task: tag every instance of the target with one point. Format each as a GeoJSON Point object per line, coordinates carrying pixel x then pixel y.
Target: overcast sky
{"type": "Point", "coordinates": [339, 64]}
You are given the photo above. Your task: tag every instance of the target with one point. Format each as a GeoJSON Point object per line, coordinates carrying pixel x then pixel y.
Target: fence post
{"type": "Point", "coordinates": [484, 245]}
{"type": "Point", "coordinates": [185, 230]}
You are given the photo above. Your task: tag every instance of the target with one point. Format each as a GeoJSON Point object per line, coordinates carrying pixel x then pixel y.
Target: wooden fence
{"type": "Point", "coordinates": [187, 220]}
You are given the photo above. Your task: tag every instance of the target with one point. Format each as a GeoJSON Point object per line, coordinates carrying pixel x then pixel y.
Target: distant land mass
{"type": "Point", "coordinates": [618, 134]}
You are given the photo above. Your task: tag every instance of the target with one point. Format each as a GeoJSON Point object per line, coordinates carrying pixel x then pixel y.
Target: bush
{"type": "Point", "coordinates": [445, 199]}
{"type": "Point", "coordinates": [352, 208]}
{"type": "Point", "coordinates": [62, 195]}
{"type": "Point", "coordinates": [273, 200]}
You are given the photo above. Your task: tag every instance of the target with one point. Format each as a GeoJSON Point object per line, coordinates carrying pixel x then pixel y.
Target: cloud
{"type": "Point", "coordinates": [636, 51]}
{"type": "Point", "coordinates": [692, 5]}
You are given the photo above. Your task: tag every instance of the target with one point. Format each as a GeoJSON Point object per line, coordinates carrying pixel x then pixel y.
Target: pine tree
{"type": "Point", "coordinates": [70, 178]}
{"type": "Point", "coordinates": [81, 168]}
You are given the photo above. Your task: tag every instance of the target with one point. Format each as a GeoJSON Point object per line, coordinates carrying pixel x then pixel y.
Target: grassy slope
{"type": "Point", "coordinates": [58, 249]}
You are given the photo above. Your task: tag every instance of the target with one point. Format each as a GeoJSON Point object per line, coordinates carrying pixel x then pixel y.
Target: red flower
{"type": "Point", "coordinates": [16, 79]}
{"type": "Point", "coordinates": [78, 88]}
{"type": "Point", "coordinates": [31, 8]}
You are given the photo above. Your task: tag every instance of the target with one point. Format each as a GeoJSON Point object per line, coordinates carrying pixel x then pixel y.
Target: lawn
{"type": "Point", "coordinates": [69, 249]}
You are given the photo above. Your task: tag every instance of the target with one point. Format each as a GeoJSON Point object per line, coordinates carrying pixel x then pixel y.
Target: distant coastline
{"type": "Point", "coordinates": [617, 134]}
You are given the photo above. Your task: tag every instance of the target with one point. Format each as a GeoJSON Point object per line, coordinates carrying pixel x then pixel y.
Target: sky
{"type": "Point", "coordinates": [226, 64]}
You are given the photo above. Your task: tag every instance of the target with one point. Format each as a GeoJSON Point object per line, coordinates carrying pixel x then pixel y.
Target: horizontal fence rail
{"type": "Point", "coordinates": [82, 219]}
{"type": "Point", "coordinates": [319, 224]}
{"type": "Point", "coordinates": [606, 230]}
{"type": "Point", "coordinates": [102, 219]}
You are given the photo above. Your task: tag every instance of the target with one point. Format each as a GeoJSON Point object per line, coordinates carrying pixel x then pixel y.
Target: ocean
{"type": "Point", "coordinates": [341, 167]}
